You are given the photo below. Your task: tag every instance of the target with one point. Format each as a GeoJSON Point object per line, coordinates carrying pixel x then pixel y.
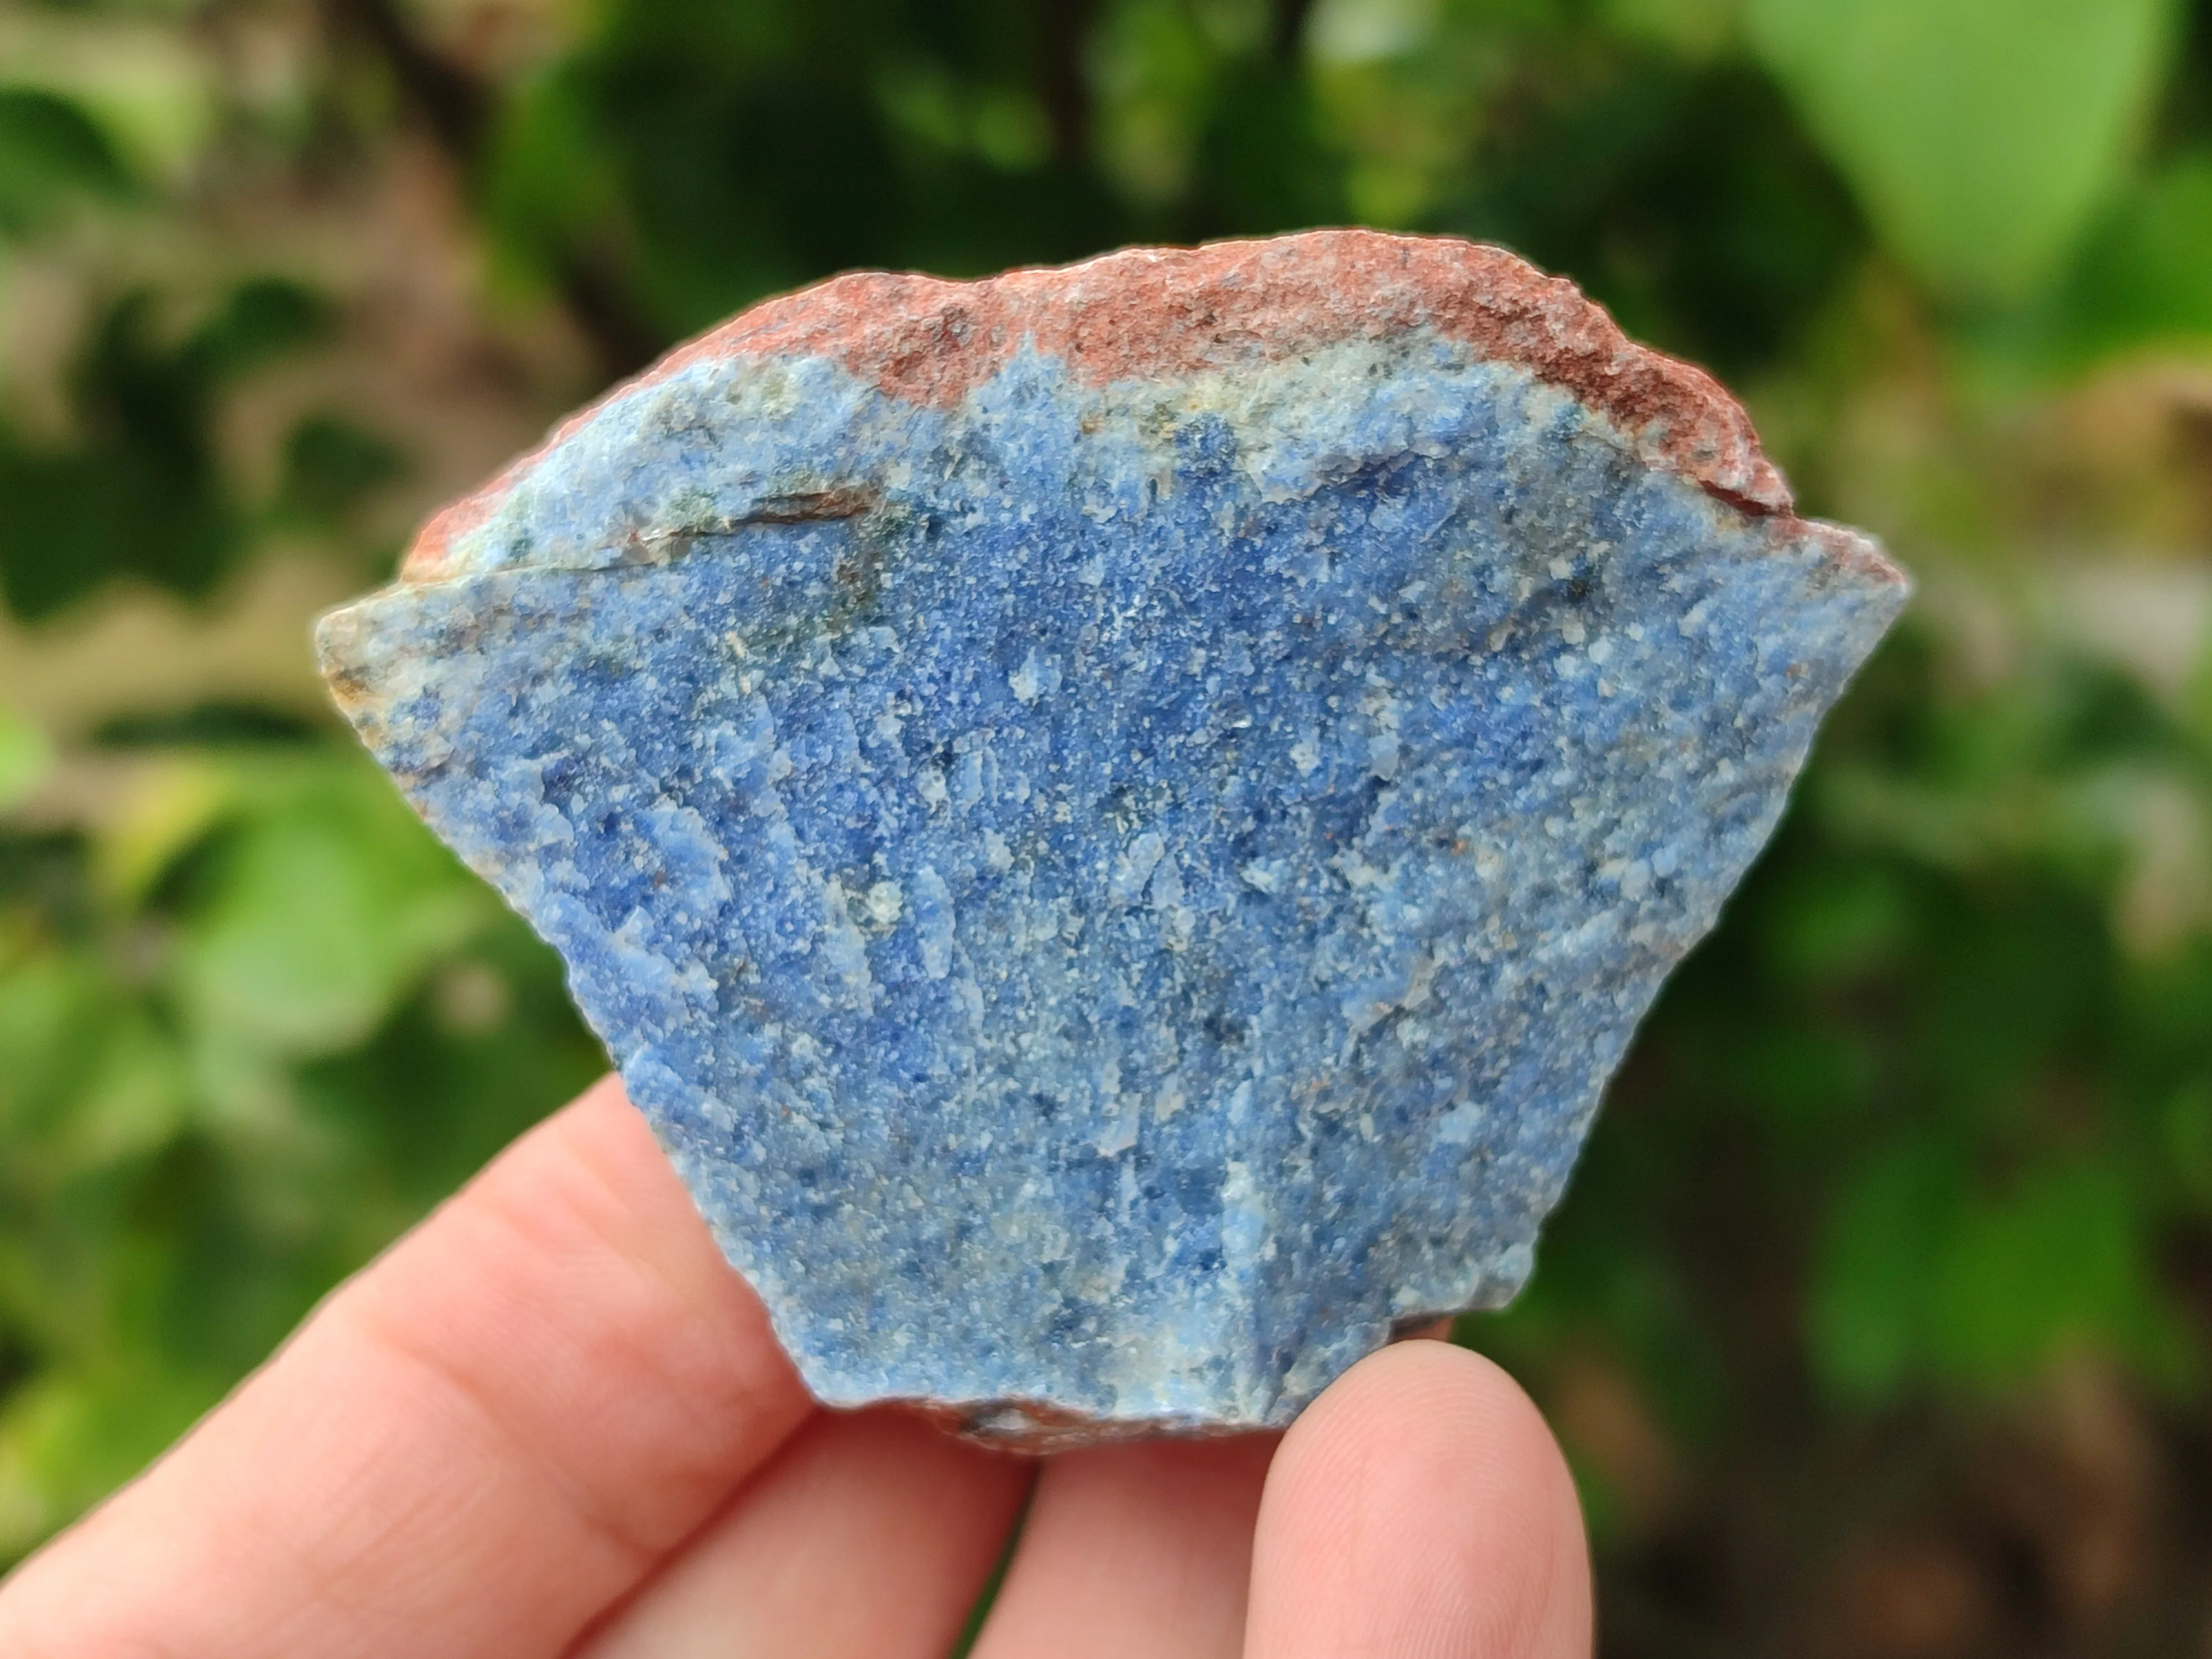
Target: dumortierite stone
{"type": "Point", "coordinates": [1117, 820]}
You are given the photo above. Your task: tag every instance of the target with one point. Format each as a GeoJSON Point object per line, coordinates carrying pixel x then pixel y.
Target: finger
{"type": "Point", "coordinates": [870, 1535]}
{"type": "Point", "coordinates": [471, 1447]}
{"type": "Point", "coordinates": [1420, 1508]}
{"type": "Point", "coordinates": [1134, 1549]}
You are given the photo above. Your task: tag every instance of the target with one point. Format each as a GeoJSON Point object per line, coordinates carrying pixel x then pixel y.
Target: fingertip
{"type": "Point", "coordinates": [870, 1533]}
{"type": "Point", "coordinates": [1143, 1547]}
{"type": "Point", "coordinates": [603, 1130]}
{"type": "Point", "coordinates": [1420, 1506]}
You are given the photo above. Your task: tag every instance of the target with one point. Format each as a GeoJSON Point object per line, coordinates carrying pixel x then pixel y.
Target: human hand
{"type": "Point", "coordinates": [552, 1421]}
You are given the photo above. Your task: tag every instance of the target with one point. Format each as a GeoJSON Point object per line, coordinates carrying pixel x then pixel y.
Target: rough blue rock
{"type": "Point", "coordinates": [1117, 821]}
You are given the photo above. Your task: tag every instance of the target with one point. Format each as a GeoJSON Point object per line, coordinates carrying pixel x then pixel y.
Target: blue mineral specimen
{"type": "Point", "coordinates": [1117, 822]}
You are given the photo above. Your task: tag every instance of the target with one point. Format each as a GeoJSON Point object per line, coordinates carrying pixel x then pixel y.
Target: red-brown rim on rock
{"type": "Point", "coordinates": [1147, 314]}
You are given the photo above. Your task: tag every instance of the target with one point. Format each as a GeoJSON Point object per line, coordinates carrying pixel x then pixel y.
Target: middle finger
{"type": "Point", "coordinates": [1143, 1548]}
{"type": "Point", "coordinates": [868, 1538]}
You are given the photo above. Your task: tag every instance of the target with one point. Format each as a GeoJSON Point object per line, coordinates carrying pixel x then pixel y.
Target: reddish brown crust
{"type": "Point", "coordinates": [1847, 549]}
{"type": "Point", "coordinates": [1151, 312]}
{"type": "Point", "coordinates": [1033, 1428]}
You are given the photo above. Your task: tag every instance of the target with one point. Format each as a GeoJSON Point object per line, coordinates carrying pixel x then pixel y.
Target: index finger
{"type": "Point", "coordinates": [473, 1447]}
{"type": "Point", "coordinates": [1419, 1509]}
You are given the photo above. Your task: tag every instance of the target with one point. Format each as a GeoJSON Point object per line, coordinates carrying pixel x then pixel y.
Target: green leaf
{"type": "Point", "coordinates": [2145, 279]}
{"type": "Point", "coordinates": [331, 902]}
{"type": "Point", "coordinates": [1868, 1306]}
{"type": "Point", "coordinates": [330, 464]}
{"type": "Point", "coordinates": [1979, 135]}
{"type": "Point", "coordinates": [51, 1033]}
{"type": "Point", "coordinates": [50, 153]}
{"type": "Point", "coordinates": [145, 492]}
{"type": "Point", "coordinates": [171, 810]}
{"type": "Point", "coordinates": [262, 318]}
{"type": "Point", "coordinates": [2053, 1263]}
{"type": "Point", "coordinates": [24, 756]}
{"type": "Point", "coordinates": [2186, 1131]}
{"type": "Point", "coordinates": [1696, 29]}
{"type": "Point", "coordinates": [1837, 921]}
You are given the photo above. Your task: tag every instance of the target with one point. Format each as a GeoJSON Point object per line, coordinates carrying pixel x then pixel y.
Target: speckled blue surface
{"type": "Point", "coordinates": [1112, 896]}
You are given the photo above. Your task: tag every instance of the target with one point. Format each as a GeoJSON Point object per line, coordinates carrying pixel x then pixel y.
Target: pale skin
{"type": "Point", "coordinates": [551, 1421]}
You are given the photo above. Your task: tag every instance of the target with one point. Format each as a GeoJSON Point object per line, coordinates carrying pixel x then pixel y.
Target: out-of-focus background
{"type": "Point", "coordinates": [1880, 1318]}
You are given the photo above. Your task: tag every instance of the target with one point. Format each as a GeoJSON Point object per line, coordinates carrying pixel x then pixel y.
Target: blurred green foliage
{"type": "Point", "coordinates": [1923, 1131]}
{"type": "Point", "coordinates": [1980, 134]}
